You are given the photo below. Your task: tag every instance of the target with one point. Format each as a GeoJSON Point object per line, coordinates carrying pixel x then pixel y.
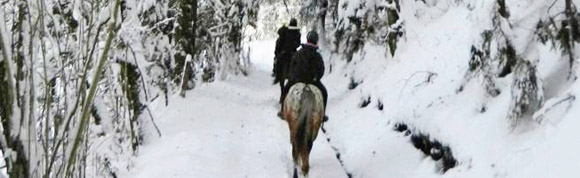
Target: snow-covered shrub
{"type": "Point", "coordinates": [220, 37]}
{"type": "Point", "coordinates": [527, 93]}
{"type": "Point", "coordinates": [481, 64]}
{"type": "Point", "coordinates": [488, 64]}
{"type": "Point", "coordinates": [367, 20]}
{"type": "Point", "coordinates": [309, 11]}
{"type": "Point", "coordinates": [562, 29]}
{"type": "Point", "coordinates": [507, 58]}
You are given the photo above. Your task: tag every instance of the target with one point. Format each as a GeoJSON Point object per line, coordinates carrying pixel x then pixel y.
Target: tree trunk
{"type": "Point", "coordinates": [185, 35]}
{"type": "Point", "coordinates": [570, 19]}
{"type": "Point", "coordinates": [323, 7]}
{"type": "Point", "coordinates": [13, 98]}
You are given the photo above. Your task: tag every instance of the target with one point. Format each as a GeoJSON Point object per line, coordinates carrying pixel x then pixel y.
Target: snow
{"type": "Point", "coordinates": [229, 128]}
{"type": "Point", "coordinates": [262, 54]}
{"type": "Point", "coordinates": [3, 170]}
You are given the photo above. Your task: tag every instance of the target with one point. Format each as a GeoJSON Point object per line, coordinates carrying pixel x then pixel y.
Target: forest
{"type": "Point", "coordinates": [84, 83]}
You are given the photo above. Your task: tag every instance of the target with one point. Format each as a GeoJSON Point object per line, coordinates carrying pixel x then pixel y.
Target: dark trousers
{"type": "Point", "coordinates": [280, 70]}
{"type": "Point", "coordinates": [281, 64]}
{"type": "Point", "coordinates": [317, 84]}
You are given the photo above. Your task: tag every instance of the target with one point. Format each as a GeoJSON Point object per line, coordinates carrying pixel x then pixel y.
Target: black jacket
{"type": "Point", "coordinates": [307, 65]}
{"type": "Point", "coordinates": [288, 41]}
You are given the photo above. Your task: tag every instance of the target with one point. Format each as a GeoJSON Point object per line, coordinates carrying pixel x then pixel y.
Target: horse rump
{"type": "Point", "coordinates": [303, 109]}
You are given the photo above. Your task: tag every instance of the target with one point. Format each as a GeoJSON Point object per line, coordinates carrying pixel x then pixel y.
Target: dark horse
{"type": "Point", "coordinates": [281, 67]}
{"type": "Point", "coordinates": [303, 109]}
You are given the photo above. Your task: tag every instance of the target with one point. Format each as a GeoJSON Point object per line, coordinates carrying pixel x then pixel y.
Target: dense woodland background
{"type": "Point", "coordinates": [76, 76]}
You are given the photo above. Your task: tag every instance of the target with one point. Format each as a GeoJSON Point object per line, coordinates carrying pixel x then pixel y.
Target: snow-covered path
{"type": "Point", "coordinates": [227, 129]}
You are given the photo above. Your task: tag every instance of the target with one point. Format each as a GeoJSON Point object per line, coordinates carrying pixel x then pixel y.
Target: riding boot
{"type": "Point", "coordinates": [324, 97]}
{"type": "Point", "coordinates": [323, 91]}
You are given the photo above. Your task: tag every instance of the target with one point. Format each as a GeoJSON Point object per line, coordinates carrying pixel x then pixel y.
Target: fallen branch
{"type": "Point", "coordinates": [140, 74]}
{"type": "Point", "coordinates": [430, 74]}
{"type": "Point", "coordinates": [428, 80]}
{"type": "Point", "coordinates": [540, 117]}
{"type": "Point", "coordinates": [153, 121]}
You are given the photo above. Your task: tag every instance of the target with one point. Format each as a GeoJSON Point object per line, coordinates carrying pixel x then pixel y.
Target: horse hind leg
{"type": "Point", "coordinates": [305, 154]}
{"type": "Point", "coordinates": [297, 163]}
{"type": "Point", "coordinates": [295, 156]}
{"type": "Point", "coordinates": [304, 163]}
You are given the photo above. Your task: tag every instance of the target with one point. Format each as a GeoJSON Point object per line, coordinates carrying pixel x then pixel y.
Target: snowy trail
{"type": "Point", "coordinates": [227, 129]}
{"type": "Point", "coordinates": [230, 129]}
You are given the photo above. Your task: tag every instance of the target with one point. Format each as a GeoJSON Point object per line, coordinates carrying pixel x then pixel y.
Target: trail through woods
{"type": "Point", "coordinates": [229, 129]}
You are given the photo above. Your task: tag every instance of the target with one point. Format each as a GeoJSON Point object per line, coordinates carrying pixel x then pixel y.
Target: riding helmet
{"type": "Point", "coordinates": [312, 37]}
{"type": "Point", "coordinates": [293, 22]}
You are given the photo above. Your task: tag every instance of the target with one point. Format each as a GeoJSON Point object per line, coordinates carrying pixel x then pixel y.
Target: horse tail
{"type": "Point", "coordinates": [304, 112]}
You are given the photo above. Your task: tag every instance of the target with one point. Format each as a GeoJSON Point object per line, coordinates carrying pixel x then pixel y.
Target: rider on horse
{"type": "Point", "coordinates": [286, 44]}
{"type": "Point", "coordinates": [307, 66]}
{"type": "Point", "coordinates": [304, 102]}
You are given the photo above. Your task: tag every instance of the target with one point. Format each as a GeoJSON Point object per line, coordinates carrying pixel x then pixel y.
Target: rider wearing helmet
{"type": "Point", "coordinates": [286, 44]}
{"type": "Point", "coordinates": [307, 66]}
